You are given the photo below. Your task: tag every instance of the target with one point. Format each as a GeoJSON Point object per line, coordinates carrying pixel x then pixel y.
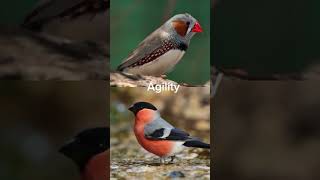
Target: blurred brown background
{"type": "Point", "coordinates": [267, 130]}
{"type": "Point", "coordinates": [37, 118]}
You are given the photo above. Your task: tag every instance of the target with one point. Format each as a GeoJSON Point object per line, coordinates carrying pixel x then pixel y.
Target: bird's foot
{"type": "Point", "coordinates": [172, 159]}
{"type": "Point", "coordinates": [162, 161]}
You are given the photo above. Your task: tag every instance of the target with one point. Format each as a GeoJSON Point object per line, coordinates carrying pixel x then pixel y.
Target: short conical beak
{"type": "Point", "coordinates": [196, 27]}
{"type": "Point", "coordinates": [131, 108]}
{"type": "Point", "coordinates": [67, 148]}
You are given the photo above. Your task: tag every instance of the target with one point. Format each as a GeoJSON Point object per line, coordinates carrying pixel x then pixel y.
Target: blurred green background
{"type": "Point", "coordinates": [266, 36]}
{"type": "Point", "coordinates": [13, 11]}
{"type": "Point", "coordinates": [132, 21]}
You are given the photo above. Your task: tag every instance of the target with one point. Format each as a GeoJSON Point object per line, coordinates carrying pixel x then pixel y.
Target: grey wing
{"type": "Point", "coordinates": [159, 123]}
{"type": "Point", "coordinates": [161, 130]}
{"type": "Point", "coordinates": [147, 46]}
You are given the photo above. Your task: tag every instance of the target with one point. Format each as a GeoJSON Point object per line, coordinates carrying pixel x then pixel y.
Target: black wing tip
{"type": "Point", "coordinates": [197, 144]}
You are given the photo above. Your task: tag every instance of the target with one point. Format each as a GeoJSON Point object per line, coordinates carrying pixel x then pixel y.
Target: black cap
{"type": "Point", "coordinates": [136, 107]}
{"type": "Point", "coordinates": [87, 144]}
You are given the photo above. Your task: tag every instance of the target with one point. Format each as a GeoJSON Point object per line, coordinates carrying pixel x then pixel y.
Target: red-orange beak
{"type": "Point", "coordinates": [196, 28]}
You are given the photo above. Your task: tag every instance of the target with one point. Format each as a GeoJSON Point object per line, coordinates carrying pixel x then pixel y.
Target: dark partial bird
{"type": "Point", "coordinates": [49, 10]}
{"type": "Point", "coordinates": [159, 52]}
{"type": "Point", "coordinates": [90, 151]}
{"type": "Point", "coordinates": [158, 136]}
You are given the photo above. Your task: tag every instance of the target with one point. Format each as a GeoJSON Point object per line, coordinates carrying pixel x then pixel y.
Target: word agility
{"type": "Point", "coordinates": [158, 88]}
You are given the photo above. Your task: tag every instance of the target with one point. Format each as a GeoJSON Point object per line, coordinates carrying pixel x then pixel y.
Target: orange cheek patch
{"type": "Point", "coordinates": [180, 27]}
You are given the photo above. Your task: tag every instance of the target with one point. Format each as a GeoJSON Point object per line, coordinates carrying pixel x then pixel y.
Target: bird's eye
{"type": "Point", "coordinates": [188, 23]}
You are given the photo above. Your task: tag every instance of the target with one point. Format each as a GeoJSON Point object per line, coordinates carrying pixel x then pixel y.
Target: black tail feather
{"type": "Point", "coordinates": [196, 143]}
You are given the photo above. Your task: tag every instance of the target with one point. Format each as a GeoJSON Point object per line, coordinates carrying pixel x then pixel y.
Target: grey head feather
{"type": "Point", "coordinates": [181, 17]}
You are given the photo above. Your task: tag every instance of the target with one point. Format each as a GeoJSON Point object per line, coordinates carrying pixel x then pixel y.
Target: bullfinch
{"type": "Point", "coordinates": [158, 136]}
{"type": "Point", "coordinates": [90, 151]}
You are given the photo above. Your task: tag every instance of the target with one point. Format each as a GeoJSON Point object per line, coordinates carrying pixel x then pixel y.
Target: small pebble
{"type": "Point", "coordinates": [188, 157]}
{"type": "Point", "coordinates": [176, 174]}
{"type": "Point", "coordinates": [140, 169]}
{"type": "Point", "coordinates": [114, 167]}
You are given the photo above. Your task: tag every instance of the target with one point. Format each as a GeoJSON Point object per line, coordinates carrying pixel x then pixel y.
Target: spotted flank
{"type": "Point", "coordinates": [165, 47]}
